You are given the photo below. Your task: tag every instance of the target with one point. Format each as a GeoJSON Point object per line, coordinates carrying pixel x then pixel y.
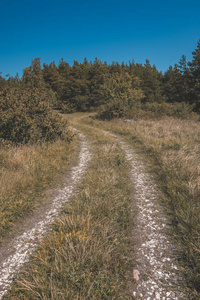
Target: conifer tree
{"type": "Point", "coordinates": [172, 84]}
{"type": "Point", "coordinates": [52, 76]}
{"type": "Point", "coordinates": [185, 81]}
{"type": "Point", "coordinates": [32, 76]}
{"type": "Point", "coordinates": [195, 76]}
{"type": "Point", "coordinates": [97, 75]}
{"type": "Point", "coordinates": [151, 84]}
{"type": "Point", "coordinates": [64, 69]}
{"type": "Point", "coordinates": [2, 82]}
{"type": "Point", "coordinates": [121, 92]}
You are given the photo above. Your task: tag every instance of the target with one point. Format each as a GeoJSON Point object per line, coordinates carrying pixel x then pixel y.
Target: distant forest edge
{"type": "Point", "coordinates": [113, 90]}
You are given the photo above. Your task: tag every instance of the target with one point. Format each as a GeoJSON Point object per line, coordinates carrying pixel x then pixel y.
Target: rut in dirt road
{"type": "Point", "coordinates": [16, 253]}
{"type": "Point", "coordinates": [156, 275]}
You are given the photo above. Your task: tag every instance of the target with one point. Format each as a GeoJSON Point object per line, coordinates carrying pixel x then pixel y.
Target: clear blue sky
{"type": "Point", "coordinates": [111, 30]}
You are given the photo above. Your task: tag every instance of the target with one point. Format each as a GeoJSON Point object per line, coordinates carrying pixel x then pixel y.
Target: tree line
{"type": "Point", "coordinates": [112, 89]}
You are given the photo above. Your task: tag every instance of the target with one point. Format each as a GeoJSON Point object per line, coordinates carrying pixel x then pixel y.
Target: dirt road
{"type": "Point", "coordinates": [156, 274]}
{"type": "Point", "coordinates": [15, 251]}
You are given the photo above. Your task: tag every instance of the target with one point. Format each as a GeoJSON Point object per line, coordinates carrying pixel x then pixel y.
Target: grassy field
{"type": "Point", "coordinates": [88, 254]}
{"type": "Point", "coordinates": [173, 148]}
{"type": "Point", "coordinates": [25, 172]}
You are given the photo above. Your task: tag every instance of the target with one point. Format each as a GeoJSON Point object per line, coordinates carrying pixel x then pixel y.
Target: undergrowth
{"type": "Point", "coordinates": [88, 254]}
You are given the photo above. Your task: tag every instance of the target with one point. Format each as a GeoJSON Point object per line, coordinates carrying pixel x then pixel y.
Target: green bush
{"type": "Point", "coordinates": [121, 93]}
{"type": "Point", "coordinates": [158, 110]}
{"type": "Point", "coordinates": [114, 109]}
{"type": "Point", "coordinates": [25, 116]}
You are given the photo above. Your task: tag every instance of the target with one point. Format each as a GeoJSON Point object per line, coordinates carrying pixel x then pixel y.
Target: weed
{"type": "Point", "coordinates": [25, 172]}
{"type": "Point", "coordinates": [85, 255]}
{"type": "Point", "coordinates": [171, 147]}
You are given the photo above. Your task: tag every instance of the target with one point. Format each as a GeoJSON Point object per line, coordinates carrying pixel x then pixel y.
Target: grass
{"type": "Point", "coordinates": [88, 254]}
{"type": "Point", "coordinates": [25, 172]}
{"type": "Point", "coordinates": [172, 147]}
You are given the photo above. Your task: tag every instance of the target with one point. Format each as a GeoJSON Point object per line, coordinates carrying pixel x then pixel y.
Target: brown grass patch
{"type": "Point", "coordinates": [25, 172]}
{"type": "Point", "coordinates": [172, 146]}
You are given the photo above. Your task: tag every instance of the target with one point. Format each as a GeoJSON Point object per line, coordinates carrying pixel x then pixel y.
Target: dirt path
{"type": "Point", "coordinates": [15, 253]}
{"type": "Point", "coordinates": [157, 275]}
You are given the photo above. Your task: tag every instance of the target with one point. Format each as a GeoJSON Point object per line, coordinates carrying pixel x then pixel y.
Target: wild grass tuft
{"type": "Point", "coordinates": [25, 172]}
{"type": "Point", "coordinates": [88, 254]}
{"type": "Point", "coordinates": [172, 148]}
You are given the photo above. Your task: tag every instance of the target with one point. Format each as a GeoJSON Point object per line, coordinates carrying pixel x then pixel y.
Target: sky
{"type": "Point", "coordinates": [111, 30]}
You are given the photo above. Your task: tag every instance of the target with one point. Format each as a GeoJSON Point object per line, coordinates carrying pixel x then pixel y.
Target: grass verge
{"type": "Point", "coordinates": [172, 149]}
{"type": "Point", "coordinates": [88, 255]}
{"type": "Point", "coordinates": [25, 172]}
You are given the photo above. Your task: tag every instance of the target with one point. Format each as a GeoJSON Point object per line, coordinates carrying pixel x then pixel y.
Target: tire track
{"type": "Point", "coordinates": [157, 275]}
{"type": "Point", "coordinates": [17, 252]}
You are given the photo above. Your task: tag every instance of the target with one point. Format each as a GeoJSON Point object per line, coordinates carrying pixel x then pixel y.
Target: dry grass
{"type": "Point", "coordinates": [88, 254]}
{"type": "Point", "coordinates": [173, 147]}
{"type": "Point", "coordinates": [25, 172]}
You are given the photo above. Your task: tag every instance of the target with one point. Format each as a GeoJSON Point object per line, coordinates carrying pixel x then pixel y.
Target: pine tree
{"type": "Point", "coordinates": [195, 77]}
{"type": "Point", "coordinates": [32, 76]}
{"type": "Point", "coordinates": [97, 75]}
{"type": "Point", "coordinates": [2, 82]}
{"type": "Point", "coordinates": [64, 69]}
{"type": "Point", "coordinates": [121, 92]}
{"type": "Point", "coordinates": [51, 76]}
{"type": "Point", "coordinates": [151, 84]}
{"type": "Point", "coordinates": [185, 81]}
{"type": "Point", "coordinates": [172, 84]}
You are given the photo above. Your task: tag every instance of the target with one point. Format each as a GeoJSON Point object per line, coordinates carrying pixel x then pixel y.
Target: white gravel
{"type": "Point", "coordinates": [157, 275]}
{"type": "Point", "coordinates": [23, 245]}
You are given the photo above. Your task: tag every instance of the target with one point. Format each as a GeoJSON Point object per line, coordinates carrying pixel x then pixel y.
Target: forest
{"type": "Point", "coordinates": [112, 90]}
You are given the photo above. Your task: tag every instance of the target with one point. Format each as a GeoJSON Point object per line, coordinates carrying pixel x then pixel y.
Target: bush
{"type": "Point", "coordinates": [114, 109]}
{"type": "Point", "coordinates": [158, 110]}
{"type": "Point", "coordinates": [25, 116]}
{"type": "Point", "coordinates": [121, 93]}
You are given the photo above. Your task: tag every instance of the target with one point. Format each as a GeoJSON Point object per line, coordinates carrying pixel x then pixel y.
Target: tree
{"type": "Point", "coordinates": [74, 95]}
{"type": "Point", "coordinates": [97, 74]}
{"type": "Point", "coordinates": [52, 77]}
{"type": "Point", "coordinates": [32, 76]}
{"type": "Point", "coordinates": [121, 92]}
{"type": "Point", "coordinates": [2, 82]}
{"type": "Point", "coordinates": [185, 81]}
{"type": "Point", "coordinates": [14, 81]}
{"type": "Point", "coordinates": [25, 116]}
{"type": "Point", "coordinates": [195, 76]}
{"type": "Point", "coordinates": [151, 84]}
{"type": "Point", "coordinates": [172, 84]}
{"type": "Point", "coordinates": [151, 81]}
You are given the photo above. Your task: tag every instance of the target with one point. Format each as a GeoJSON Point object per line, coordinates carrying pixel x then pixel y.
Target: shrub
{"type": "Point", "coordinates": [158, 110]}
{"type": "Point", "coordinates": [25, 116]}
{"type": "Point", "coordinates": [121, 93]}
{"type": "Point", "coordinates": [114, 109]}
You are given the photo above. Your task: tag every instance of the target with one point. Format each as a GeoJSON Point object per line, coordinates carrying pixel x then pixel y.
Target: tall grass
{"type": "Point", "coordinates": [25, 172]}
{"type": "Point", "coordinates": [88, 255]}
{"type": "Point", "coordinates": [173, 148]}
